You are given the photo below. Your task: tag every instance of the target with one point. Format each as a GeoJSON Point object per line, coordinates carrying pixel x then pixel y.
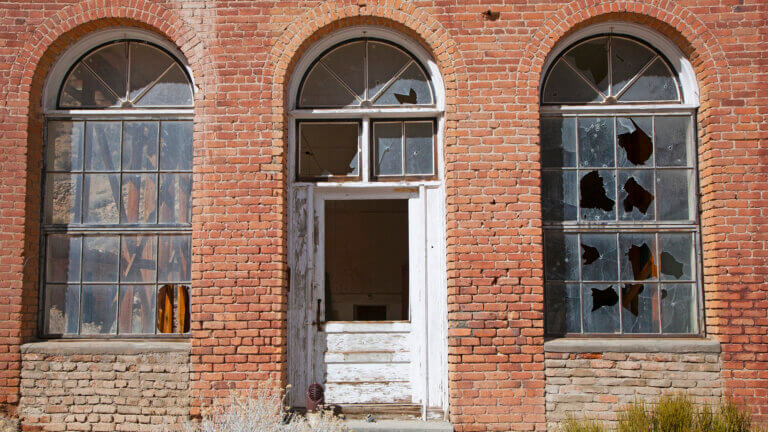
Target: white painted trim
{"type": "Point", "coordinates": [302, 66]}
{"type": "Point", "coordinates": [66, 60]}
{"type": "Point", "coordinates": [680, 64]}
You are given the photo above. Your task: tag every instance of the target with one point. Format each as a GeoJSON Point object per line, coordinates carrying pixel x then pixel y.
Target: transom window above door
{"type": "Point", "coordinates": [365, 112]}
{"type": "Point", "coordinates": [365, 73]}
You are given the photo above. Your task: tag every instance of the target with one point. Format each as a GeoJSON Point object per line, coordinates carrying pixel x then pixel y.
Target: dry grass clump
{"type": "Point", "coordinates": [261, 410]}
{"type": "Point", "coordinates": [672, 414]}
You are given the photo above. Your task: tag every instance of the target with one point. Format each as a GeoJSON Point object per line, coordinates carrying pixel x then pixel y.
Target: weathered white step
{"type": "Point", "coordinates": [398, 426]}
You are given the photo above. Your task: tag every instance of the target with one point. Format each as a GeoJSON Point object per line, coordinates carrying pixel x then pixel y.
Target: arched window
{"type": "Point", "coordinates": [618, 154]}
{"type": "Point", "coordinates": [117, 182]}
{"type": "Point", "coordinates": [365, 76]}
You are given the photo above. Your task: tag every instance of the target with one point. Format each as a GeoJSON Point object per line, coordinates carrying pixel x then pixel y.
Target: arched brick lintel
{"type": "Point", "coordinates": [677, 23]}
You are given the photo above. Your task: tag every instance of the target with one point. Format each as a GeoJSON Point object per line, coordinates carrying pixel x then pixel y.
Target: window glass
{"type": "Point", "coordinates": [328, 149]}
{"type": "Point", "coordinates": [620, 227]}
{"type": "Point", "coordinates": [609, 70]}
{"type": "Point", "coordinates": [117, 199]}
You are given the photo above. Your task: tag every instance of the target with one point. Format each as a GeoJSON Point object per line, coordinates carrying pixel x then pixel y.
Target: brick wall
{"type": "Point", "coordinates": [241, 54]}
{"type": "Point", "coordinates": [121, 386]}
{"type": "Point", "coordinates": [596, 384]}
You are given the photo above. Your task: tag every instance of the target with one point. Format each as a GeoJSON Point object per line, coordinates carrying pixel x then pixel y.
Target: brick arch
{"type": "Point", "coordinates": [399, 15]}
{"type": "Point", "coordinates": [59, 30]}
{"type": "Point", "coordinates": [677, 23]}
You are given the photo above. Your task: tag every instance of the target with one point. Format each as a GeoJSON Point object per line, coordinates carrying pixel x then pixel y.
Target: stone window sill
{"type": "Point", "coordinates": [633, 345]}
{"type": "Point", "coordinates": [106, 347]}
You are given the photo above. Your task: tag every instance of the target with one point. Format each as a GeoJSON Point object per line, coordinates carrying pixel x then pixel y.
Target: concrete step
{"type": "Point", "coordinates": [398, 426]}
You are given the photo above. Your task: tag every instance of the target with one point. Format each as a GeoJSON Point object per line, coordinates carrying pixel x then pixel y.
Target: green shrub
{"type": "Point", "coordinates": [676, 413]}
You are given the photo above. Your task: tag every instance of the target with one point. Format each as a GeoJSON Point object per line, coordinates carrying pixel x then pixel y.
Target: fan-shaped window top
{"type": "Point", "coordinates": [126, 74]}
{"type": "Point", "coordinates": [610, 70]}
{"type": "Point", "coordinates": [365, 73]}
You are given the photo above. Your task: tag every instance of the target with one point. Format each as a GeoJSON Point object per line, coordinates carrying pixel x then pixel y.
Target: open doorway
{"type": "Point", "coordinates": [366, 260]}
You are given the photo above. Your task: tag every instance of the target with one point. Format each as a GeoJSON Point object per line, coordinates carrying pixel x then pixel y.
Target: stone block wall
{"type": "Point", "coordinates": [595, 384]}
{"type": "Point", "coordinates": [110, 386]}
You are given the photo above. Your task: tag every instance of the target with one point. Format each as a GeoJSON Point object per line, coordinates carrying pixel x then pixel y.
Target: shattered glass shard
{"type": "Point", "coordinates": [593, 194]}
{"type": "Point", "coordinates": [671, 266]}
{"type": "Point", "coordinates": [604, 297]}
{"type": "Point", "coordinates": [641, 258]}
{"type": "Point", "coordinates": [590, 254]}
{"type": "Point", "coordinates": [635, 142]}
{"type": "Point", "coordinates": [637, 196]}
{"type": "Point", "coordinates": [630, 297]}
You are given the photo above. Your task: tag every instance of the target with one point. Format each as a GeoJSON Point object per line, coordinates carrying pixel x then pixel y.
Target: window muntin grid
{"type": "Point", "coordinates": [116, 232]}
{"type": "Point", "coordinates": [359, 69]}
{"type": "Point", "coordinates": [610, 69]}
{"type": "Point", "coordinates": [611, 268]}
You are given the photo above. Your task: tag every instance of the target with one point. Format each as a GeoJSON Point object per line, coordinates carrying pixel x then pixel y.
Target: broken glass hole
{"type": "Point", "coordinates": [637, 197]}
{"type": "Point", "coordinates": [641, 259]}
{"type": "Point", "coordinates": [670, 265]}
{"type": "Point", "coordinates": [630, 297]}
{"type": "Point", "coordinates": [604, 297]}
{"type": "Point", "coordinates": [637, 145]}
{"type": "Point", "coordinates": [593, 194]}
{"type": "Point", "coordinates": [590, 254]}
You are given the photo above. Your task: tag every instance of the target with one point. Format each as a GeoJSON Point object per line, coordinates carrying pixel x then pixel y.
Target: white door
{"type": "Point", "coordinates": [370, 336]}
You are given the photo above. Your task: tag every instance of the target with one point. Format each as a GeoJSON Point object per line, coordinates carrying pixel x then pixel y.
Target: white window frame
{"type": "Point", "coordinates": [689, 93]}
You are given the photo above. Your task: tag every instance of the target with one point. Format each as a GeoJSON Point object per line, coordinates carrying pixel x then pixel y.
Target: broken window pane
{"type": "Point", "coordinates": [558, 142]}
{"type": "Point", "coordinates": [655, 84]}
{"type": "Point", "coordinates": [636, 195]}
{"type": "Point", "coordinates": [562, 256]}
{"type": "Point", "coordinates": [62, 305]}
{"type": "Point", "coordinates": [411, 87]}
{"type": "Point", "coordinates": [62, 258]}
{"type": "Point", "coordinates": [598, 257]}
{"type": "Point", "coordinates": [328, 149]}
{"type": "Point", "coordinates": [678, 308]}
{"type": "Point", "coordinates": [629, 57]}
{"type": "Point", "coordinates": [676, 256]}
{"type": "Point", "coordinates": [596, 142]}
{"type": "Point", "coordinates": [102, 146]}
{"type": "Point", "coordinates": [175, 198]}
{"type": "Point", "coordinates": [63, 198]}
{"type": "Point", "coordinates": [419, 145]}
{"type": "Point", "coordinates": [140, 146]}
{"type": "Point", "coordinates": [102, 195]}
{"type": "Point", "coordinates": [173, 256]}
{"type": "Point", "coordinates": [673, 135]}
{"type": "Point", "coordinates": [173, 309]}
{"type": "Point", "coordinates": [564, 86]}
{"type": "Point", "coordinates": [176, 145]}
{"type": "Point", "coordinates": [139, 198]}
{"type": "Point", "coordinates": [384, 61]}
{"type": "Point", "coordinates": [388, 138]}
{"type": "Point", "coordinates": [563, 308]}
{"type": "Point", "coordinates": [100, 258]}
{"type": "Point", "coordinates": [673, 188]}
{"type": "Point", "coordinates": [64, 151]}
{"type": "Point", "coordinates": [600, 308]}
{"type": "Point", "coordinates": [99, 314]}
{"type": "Point", "coordinates": [638, 256]}
{"type": "Point", "coordinates": [591, 59]}
{"type": "Point", "coordinates": [558, 195]}
{"type": "Point", "coordinates": [633, 136]}
{"type": "Point", "coordinates": [137, 309]}
{"type": "Point", "coordinates": [640, 313]}
{"type": "Point", "coordinates": [597, 195]}
{"type": "Point", "coordinates": [138, 258]}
